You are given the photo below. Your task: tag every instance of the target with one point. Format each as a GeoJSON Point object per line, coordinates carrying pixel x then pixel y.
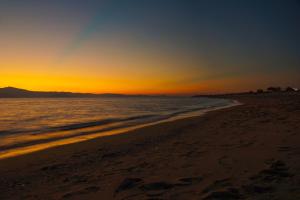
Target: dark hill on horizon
{"type": "Point", "coordinates": [11, 92]}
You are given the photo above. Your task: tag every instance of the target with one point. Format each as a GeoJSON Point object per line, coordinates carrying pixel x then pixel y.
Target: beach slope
{"type": "Point", "coordinates": [251, 151]}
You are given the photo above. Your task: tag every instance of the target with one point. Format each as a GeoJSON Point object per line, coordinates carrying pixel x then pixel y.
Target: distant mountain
{"type": "Point", "coordinates": [11, 92]}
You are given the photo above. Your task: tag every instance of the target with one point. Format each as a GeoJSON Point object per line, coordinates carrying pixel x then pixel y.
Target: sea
{"type": "Point", "coordinates": [32, 124]}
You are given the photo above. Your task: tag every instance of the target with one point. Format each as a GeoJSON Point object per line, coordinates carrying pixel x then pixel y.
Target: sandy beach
{"type": "Point", "coordinates": [251, 151]}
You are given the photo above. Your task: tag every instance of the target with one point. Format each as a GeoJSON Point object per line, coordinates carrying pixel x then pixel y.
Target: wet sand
{"type": "Point", "coordinates": [251, 151]}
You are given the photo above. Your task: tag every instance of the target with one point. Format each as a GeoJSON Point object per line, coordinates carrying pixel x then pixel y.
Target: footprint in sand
{"type": "Point", "coordinates": [229, 194]}
{"type": "Point", "coordinates": [275, 172]}
{"type": "Point", "coordinates": [86, 190]}
{"type": "Point", "coordinates": [128, 183]}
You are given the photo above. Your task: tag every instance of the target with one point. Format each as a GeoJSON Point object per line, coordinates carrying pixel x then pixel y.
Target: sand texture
{"type": "Point", "coordinates": [251, 151]}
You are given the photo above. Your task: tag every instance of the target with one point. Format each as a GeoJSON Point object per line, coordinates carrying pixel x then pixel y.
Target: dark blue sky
{"type": "Point", "coordinates": [234, 38]}
{"type": "Point", "coordinates": [265, 33]}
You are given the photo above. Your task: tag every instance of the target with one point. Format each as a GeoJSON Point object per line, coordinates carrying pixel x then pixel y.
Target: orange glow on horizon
{"type": "Point", "coordinates": [88, 48]}
{"type": "Point", "coordinates": [115, 64]}
{"type": "Point", "coordinates": [121, 85]}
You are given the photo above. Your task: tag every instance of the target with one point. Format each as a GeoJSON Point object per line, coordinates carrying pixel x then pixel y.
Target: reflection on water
{"type": "Point", "coordinates": [28, 125]}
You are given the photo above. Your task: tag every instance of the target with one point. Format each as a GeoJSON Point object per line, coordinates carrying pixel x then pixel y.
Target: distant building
{"type": "Point", "coordinates": [291, 89]}
{"type": "Point", "coordinates": [259, 91]}
{"type": "Point", "coordinates": [274, 89]}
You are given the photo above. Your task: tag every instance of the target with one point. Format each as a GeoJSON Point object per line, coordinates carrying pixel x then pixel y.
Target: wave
{"type": "Point", "coordinates": [108, 121]}
{"type": "Point", "coordinates": [74, 126]}
{"type": "Point", "coordinates": [87, 129]}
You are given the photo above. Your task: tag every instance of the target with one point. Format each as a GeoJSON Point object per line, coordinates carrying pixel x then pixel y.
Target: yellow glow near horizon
{"type": "Point", "coordinates": [96, 47]}
{"type": "Point", "coordinates": [115, 64]}
{"type": "Point", "coordinates": [107, 66]}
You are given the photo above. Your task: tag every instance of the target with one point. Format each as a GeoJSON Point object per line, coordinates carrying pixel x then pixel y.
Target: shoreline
{"type": "Point", "coordinates": [91, 134]}
{"type": "Point", "coordinates": [249, 151]}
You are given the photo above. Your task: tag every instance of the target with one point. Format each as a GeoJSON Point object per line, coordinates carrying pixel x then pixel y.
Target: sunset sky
{"type": "Point", "coordinates": [149, 46]}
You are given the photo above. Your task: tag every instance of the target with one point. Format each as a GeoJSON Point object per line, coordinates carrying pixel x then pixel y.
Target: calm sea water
{"type": "Point", "coordinates": [24, 122]}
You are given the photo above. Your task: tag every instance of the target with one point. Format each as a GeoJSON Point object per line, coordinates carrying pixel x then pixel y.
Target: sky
{"type": "Point", "coordinates": [149, 46]}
